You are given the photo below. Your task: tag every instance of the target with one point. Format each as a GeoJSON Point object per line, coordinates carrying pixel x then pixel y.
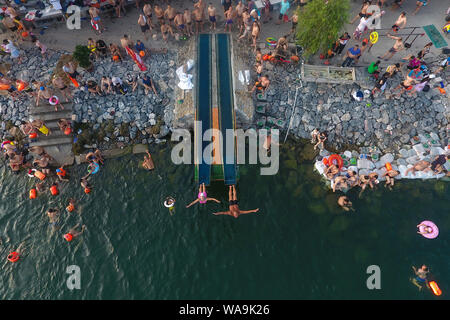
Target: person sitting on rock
{"type": "Point", "coordinates": [321, 140]}
{"type": "Point", "coordinates": [262, 84]}
{"type": "Point", "coordinates": [102, 49]}
{"type": "Point", "coordinates": [95, 157]}
{"type": "Point", "coordinates": [422, 165]}
{"type": "Point", "coordinates": [64, 125]}
{"type": "Point", "coordinates": [148, 85]}
{"type": "Point", "coordinates": [118, 85]}
{"type": "Point", "coordinates": [43, 163]}
{"type": "Point", "coordinates": [438, 164]}
{"type": "Point", "coordinates": [373, 179]}
{"type": "Point", "coordinates": [26, 127]}
{"type": "Point", "coordinates": [116, 56]}
{"type": "Point", "coordinates": [106, 85]}
{"type": "Point", "coordinates": [131, 81]}
{"type": "Point", "coordinates": [93, 87]}
{"type": "Point", "coordinates": [390, 177]}
{"type": "Point", "coordinates": [352, 178]}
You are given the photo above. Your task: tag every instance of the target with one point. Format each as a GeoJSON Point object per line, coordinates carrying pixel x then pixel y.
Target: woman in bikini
{"type": "Point", "coordinates": [202, 197]}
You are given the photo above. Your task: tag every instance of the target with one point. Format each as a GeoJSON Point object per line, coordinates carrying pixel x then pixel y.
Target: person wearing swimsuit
{"type": "Point", "coordinates": [233, 205]}
{"type": "Point", "coordinates": [202, 196]}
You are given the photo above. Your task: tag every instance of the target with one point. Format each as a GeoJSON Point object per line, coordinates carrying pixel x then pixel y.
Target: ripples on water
{"type": "Point", "coordinates": [299, 246]}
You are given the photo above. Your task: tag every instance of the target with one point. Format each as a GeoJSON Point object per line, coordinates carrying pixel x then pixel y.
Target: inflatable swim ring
{"type": "Point", "coordinates": [271, 42]}
{"type": "Point", "coordinates": [93, 168]}
{"type": "Point", "coordinates": [431, 235]}
{"type": "Point", "coordinates": [53, 100]}
{"type": "Point", "coordinates": [13, 257]}
{"type": "Point", "coordinates": [336, 160]}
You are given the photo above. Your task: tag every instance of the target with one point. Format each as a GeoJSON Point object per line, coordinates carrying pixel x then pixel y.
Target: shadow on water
{"type": "Point", "coordinates": [300, 245]}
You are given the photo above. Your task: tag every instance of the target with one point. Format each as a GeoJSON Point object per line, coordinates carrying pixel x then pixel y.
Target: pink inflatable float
{"type": "Point", "coordinates": [428, 229]}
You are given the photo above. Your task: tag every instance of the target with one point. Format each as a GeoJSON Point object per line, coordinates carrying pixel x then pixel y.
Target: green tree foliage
{"type": "Point", "coordinates": [81, 55]}
{"type": "Point", "coordinates": [320, 24]}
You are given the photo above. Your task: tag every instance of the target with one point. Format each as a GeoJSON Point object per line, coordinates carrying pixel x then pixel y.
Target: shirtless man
{"type": "Point", "coordinates": [187, 15]}
{"type": "Point", "coordinates": [148, 162]}
{"type": "Point", "coordinates": [400, 23]}
{"type": "Point", "coordinates": [159, 12]}
{"type": "Point", "coordinates": [233, 205]}
{"type": "Point", "coordinates": [419, 5]}
{"type": "Point", "coordinates": [126, 42]}
{"type": "Point", "coordinates": [165, 29]}
{"type": "Point", "coordinates": [26, 127]}
{"type": "Point", "coordinates": [170, 14]}
{"type": "Point", "coordinates": [406, 84]}
{"type": "Point", "coordinates": [43, 164]}
{"type": "Point", "coordinates": [37, 150]}
{"type": "Point", "coordinates": [390, 177]}
{"type": "Point", "coordinates": [421, 276]}
{"type": "Point", "coordinates": [422, 165]}
{"type": "Point", "coordinates": [73, 233]}
{"type": "Point", "coordinates": [255, 34]}
{"type": "Point", "coordinates": [147, 9]}
{"type": "Point", "coordinates": [229, 18]}
{"type": "Point", "coordinates": [143, 24]}
{"type": "Point", "coordinates": [239, 11]}
{"type": "Point", "coordinates": [58, 82]}
{"type": "Point", "coordinates": [95, 15]}
{"type": "Point", "coordinates": [345, 203]}
{"type": "Point", "coordinates": [180, 23]}
{"type": "Point", "coordinates": [398, 46]}
{"type": "Point", "coordinates": [201, 6]}
{"type": "Point", "coordinates": [198, 17]}
{"type": "Point", "coordinates": [373, 179]}
{"type": "Point", "coordinates": [212, 16]}
{"type": "Point", "coordinates": [53, 216]}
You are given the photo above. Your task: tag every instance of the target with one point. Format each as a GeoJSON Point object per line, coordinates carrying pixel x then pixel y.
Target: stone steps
{"type": "Point", "coordinates": [56, 144]}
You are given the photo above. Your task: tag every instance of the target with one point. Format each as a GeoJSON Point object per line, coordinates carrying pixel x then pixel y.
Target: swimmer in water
{"type": "Point", "coordinates": [53, 215]}
{"type": "Point", "coordinates": [373, 179]}
{"type": "Point", "coordinates": [86, 185]}
{"type": "Point", "coordinates": [390, 178]}
{"type": "Point", "coordinates": [73, 233]}
{"type": "Point", "coordinates": [71, 206]}
{"type": "Point", "coordinates": [426, 229]}
{"type": "Point", "coordinates": [345, 203]}
{"type": "Point", "coordinates": [170, 204]}
{"type": "Point", "coordinates": [202, 198]}
{"type": "Point", "coordinates": [421, 276]}
{"type": "Point", "coordinates": [233, 205]}
{"type": "Point", "coordinates": [148, 162]}
{"type": "Point", "coordinates": [363, 182]}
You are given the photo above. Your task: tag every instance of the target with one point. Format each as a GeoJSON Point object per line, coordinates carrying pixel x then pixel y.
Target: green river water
{"type": "Point", "coordinates": [300, 245]}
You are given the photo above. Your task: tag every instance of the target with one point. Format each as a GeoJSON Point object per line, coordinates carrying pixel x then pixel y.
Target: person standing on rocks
{"type": "Point", "coordinates": [188, 20]}
{"type": "Point", "coordinates": [283, 11]}
{"type": "Point", "coordinates": [58, 82]}
{"type": "Point", "coordinates": [159, 12]}
{"type": "Point", "coordinates": [398, 46]}
{"type": "Point", "coordinates": [170, 14]}
{"type": "Point", "coordinates": [142, 22]}
{"type": "Point", "coordinates": [95, 16]}
{"type": "Point", "coordinates": [198, 17]}
{"type": "Point", "coordinates": [147, 9]}
{"type": "Point", "coordinates": [180, 24]}
{"type": "Point", "coordinates": [212, 16]}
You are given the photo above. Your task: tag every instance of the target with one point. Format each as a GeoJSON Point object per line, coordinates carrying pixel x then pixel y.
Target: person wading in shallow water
{"type": "Point", "coordinates": [233, 205]}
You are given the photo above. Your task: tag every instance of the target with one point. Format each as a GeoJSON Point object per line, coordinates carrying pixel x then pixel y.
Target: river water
{"type": "Point", "coordinates": [300, 245]}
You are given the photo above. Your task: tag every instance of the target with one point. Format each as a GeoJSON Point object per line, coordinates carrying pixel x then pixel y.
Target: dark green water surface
{"type": "Point", "coordinates": [300, 245]}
